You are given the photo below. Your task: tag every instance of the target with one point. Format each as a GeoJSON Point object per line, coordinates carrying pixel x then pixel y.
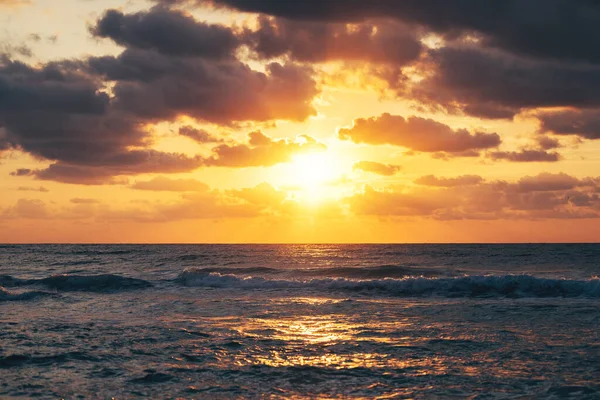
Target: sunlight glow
{"type": "Point", "coordinates": [312, 170]}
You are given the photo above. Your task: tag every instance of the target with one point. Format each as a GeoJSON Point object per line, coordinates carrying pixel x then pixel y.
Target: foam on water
{"type": "Point", "coordinates": [5, 295]}
{"type": "Point", "coordinates": [299, 321]}
{"type": "Point", "coordinates": [505, 285]}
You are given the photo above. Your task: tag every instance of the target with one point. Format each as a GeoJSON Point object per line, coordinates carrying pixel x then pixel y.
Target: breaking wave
{"type": "Point", "coordinates": [5, 295]}
{"type": "Point", "coordinates": [465, 286]}
{"type": "Point", "coordinates": [88, 283]}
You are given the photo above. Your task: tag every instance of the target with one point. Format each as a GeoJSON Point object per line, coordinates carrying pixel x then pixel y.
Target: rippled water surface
{"type": "Point", "coordinates": [300, 321]}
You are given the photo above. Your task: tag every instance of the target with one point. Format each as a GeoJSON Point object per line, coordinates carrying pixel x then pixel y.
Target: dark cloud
{"type": "Point", "coordinates": [262, 151]}
{"type": "Point", "coordinates": [548, 143]}
{"type": "Point", "coordinates": [57, 112]}
{"type": "Point", "coordinates": [22, 172]}
{"type": "Point", "coordinates": [549, 29]}
{"type": "Point", "coordinates": [419, 134]}
{"type": "Point", "coordinates": [463, 180]}
{"type": "Point", "coordinates": [492, 84]}
{"type": "Point", "coordinates": [381, 42]}
{"type": "Point", "coordinates": [377, 168]}
{"type": "Point", "coordinates": [198, 135]}
{"type": "Point", "coordinates": [163, 183]}
{"type": "Point", "coordinates": [585, 123]}
{"type": "Point", "coordinates": [154, 86]}
{"type": "Point", "coordinates": [525, 156]}
{"type": "Point", "coordinates": [62, 112]}
{"type": "Point", "coordinates": [169, 32]}
{"type": "Point", "coordinates": [130, 163]}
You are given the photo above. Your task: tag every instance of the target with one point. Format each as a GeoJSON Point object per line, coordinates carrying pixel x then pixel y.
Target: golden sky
{"type": "Point", "coordinates": [258, 121]}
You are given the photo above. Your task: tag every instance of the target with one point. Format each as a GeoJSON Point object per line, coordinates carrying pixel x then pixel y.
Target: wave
{"type": "Point", "coordinates": [5, 295]}
{"type": "Point", "coordinates": [17, 360]}
{"type": "Point", "coordinates": [88, 283]}
{"type": "Point", "coordinates": [374, 272]}
{"type": "Point", "coordinates": [465, 286]}
{"type": "Point", "coordinates": [239, 270]}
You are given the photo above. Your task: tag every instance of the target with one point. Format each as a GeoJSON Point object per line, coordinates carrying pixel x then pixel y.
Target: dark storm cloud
{"type": "Point", "coordinates": [492, 84]}
{"type": "Point", "coordinates": [262, 151]}
{"type": "Point", "coordinates": [154, 86]}
{"type": "Point", "coordinates": [377, 168]}
{"type": "Point", "coordinates": [62, 111]}
{"type": "Point", "coordinates": [381, 42]}
{"type": "Point", "coordinates": [585, 123]}
{"type": "Point", "coordinates": [551, 29]}
{"type": "Point", "coordinates": [419, 134]}
{"type": "Point", "coordinates": [169, 32]}
{"type": "Point", "coordinates": [56, 112]}
{"type": "Point", "coordinates": [525, 156]}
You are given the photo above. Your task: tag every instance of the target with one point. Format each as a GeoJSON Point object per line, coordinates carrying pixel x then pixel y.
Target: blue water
{"type": "Point", "coordinates": [300, 321]}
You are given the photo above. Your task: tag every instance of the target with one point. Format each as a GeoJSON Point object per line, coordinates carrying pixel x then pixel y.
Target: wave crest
{"type": "Point", "coordinates": [5, 295]}
{"type": "Point", "coordinates": [465, 286]}
{"type": "Point", "coordinates": [70, 283]}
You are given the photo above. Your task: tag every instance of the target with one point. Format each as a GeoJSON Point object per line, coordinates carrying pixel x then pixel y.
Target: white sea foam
{"type": "Point", "coordinates": [504, 285]}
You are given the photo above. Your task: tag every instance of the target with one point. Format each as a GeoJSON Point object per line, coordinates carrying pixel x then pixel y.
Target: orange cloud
{"type": "Point", "coordinates": [377, 168]}
{"type": "Point", "coordinates": [419, 134]}
{"type": "Point", "coordinates": [163, 183]}
{"type": "Point", "coordinates": [262, 151]}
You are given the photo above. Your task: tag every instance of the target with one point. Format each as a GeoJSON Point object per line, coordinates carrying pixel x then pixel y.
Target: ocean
{"type": "Point", "coordinates": [300, 321]}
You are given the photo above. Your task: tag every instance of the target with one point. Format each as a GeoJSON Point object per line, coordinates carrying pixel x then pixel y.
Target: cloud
{"type": "Point", "coordinates": [548, 143]}
{"type": "Point", "coordinates": [525, 156]}
{"type": "Point", "coordinates": [154, 86]}
{"type": "Point", "coordinates": [169, 32]}
{"type": "Point", "coordinates": [419, 134]}
{"type": "Point", "coordinates": [536, 27]}
{"type": "Point", "coordinates": [391, 203]}
{"type": "Point", "coordinates": [262, 151]}
{"type": "Point", "coordinates": [198, 135]}
{"type": "Point", "coordinates": [40, 189]}
{"type": "Point", "coordinates": [585, 123]}
{"type": "Point", "coordinates": [28, 209]}
{"type": "Point", "coordinates": [13, 2]}
{"type": "Point", "coordinates": [377, 168]}
{"type": "Point", "coordinates": [544, 196]}
{"type": "Point", "coordinates": [463, 180]}
{"type": "Point", "coordinates": [78, 200]}
{"type": "Point", "coordinates": [492, 84]}
{"type": "Point", "coordinates": [22, 172]}
{"type": "Point", "coordinates": [263, 194]}
{"type": "Point", "coordinates": [550, 182]}
{"type": "Point", "coordinates": [309, 41]}
{"type": "Point", "coordinates": [90, 117]}
{"type": "Point", "coordinates": [163, 183]}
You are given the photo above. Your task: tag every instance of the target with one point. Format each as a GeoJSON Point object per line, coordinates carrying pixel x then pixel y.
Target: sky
{"type": "Point", "coordinates": [251, 121]}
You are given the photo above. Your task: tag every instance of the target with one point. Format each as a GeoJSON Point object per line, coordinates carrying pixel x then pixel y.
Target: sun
{"type": "Point", "coordinates": [312, 170]}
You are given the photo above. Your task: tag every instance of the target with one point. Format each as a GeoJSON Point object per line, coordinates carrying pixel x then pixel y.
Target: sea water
{"type": "Point", "coordinates": [300, 321]}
